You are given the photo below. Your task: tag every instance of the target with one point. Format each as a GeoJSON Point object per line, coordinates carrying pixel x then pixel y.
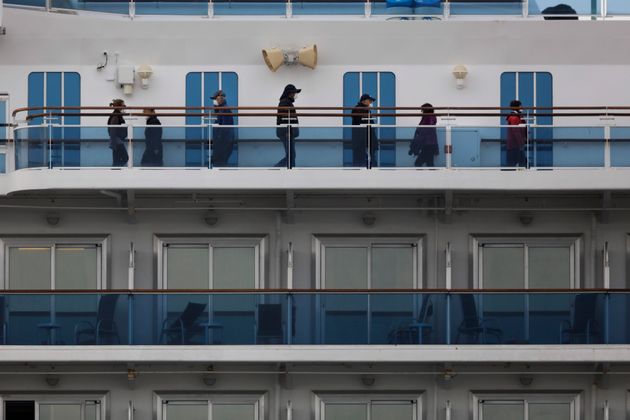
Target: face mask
{"type": "Point", "coordinates": [215, 102]}
{"type": "Point", "coordinates": [295, 96]}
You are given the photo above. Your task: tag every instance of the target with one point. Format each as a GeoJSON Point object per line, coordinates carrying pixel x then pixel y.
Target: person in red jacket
{"type": "Point", "coordinates": [516, 136]}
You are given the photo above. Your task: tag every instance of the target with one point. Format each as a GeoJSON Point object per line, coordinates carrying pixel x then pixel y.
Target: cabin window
{"type": "Point", "coordinates": [54, 89]}
{"type": "Point", "coordinates": [211, 407]}
{"type": "Point", "coordinates": [42, 264]}
{"type": "Point", "coordinates": [368, 263]}
{"type": "Point", "coordinates": [59, 407]}
{"type": "Point", "coordinates": [382, 87]}
{"type": "Point", "coordinates": [526, 407]}
{"type": "Point", "coordinates": [527, 263]}
{"type": "Point", "coordinates": [211, 263]}
{"type": "Point", "coordinates": [366, 407]}
{"type": "Point", "coordinates": [200, 86]}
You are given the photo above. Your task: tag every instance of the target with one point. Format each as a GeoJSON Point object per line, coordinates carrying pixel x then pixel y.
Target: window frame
{"type": "Point", "coordinates": [320, 242]}
{"type": "Point", "coordinates": [320, 399]}
{"type": "Point", "coordinates": [574, 398]}
{"type": "Point", "coordinates": [245, 397]}
{"type": "Point", "coordinates": [40, 398]}
{"type": "Point", "coordinates": [573, 242]}
{"type": "Point", "coordinates": [259, 243]}
{"type": "Point", "coordinates": [101, 243]}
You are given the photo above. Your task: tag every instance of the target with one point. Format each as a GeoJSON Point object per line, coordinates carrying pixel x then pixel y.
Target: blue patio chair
{"type": "Point", "coordinates": [473, 326]}
{"type": "Point", "coordinates": [583, 326]}
{"type": "Point", "coordinates": [184, 327]}
{"type": "Point", "coordinates": [86, 332]}
{"type": "Point", "coordinates": [399, 7]}
{"type": "Point", "coordinates": [427, 7]}
{"type": "Point", "coordinates": [417, 331]}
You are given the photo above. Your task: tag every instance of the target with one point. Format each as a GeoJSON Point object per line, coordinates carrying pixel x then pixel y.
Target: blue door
{"type": "Point", "coordinates": [55, 89]}
{"type": "Point", "coordinates": [382, 87]}
{"type": "Point", "coordinates": [199, 88]}
{"type": "Point", "coordinates": [532, 89]}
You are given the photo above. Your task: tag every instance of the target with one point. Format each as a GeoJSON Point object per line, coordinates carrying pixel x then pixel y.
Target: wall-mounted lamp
{"type": "Point", "coordinates": [526, 380]}
{"type": "Point", "coordinates": [144, 72]}
{"type": "Point", "coordinates": [460, 72]}
{"type": "Point", "coordinates": [209, 380]}
{"type": "Point", "coordinates": [276, 57]}
{"type": "Point", "coordinates": [52, 380]}
{"type": "Point", "coordinates": [125, 77]}
{"type": "Point", "coordinates": [606, 410]}
{"type": "Point", "coordinates": [447, 411]}
{"type": "Point", "coordinates": [211, 218]}
{"type": "Point", "coordinates": [53, 219]}
{"type": "Point", "coordinates": [368, 380]}
{"type": "Point", "coordinates": [369, 219]}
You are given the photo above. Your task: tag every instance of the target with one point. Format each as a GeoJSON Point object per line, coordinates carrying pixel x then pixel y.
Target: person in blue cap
{"type": "Point", "coordinates": [222, 130]}
{"type": "Point", "coordinates": [287, 122]}
{"type": "Point", "coordinates": [361, 117]}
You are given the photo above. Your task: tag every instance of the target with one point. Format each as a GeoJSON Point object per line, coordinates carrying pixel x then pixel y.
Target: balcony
{"type": "Point", "coordinates": [361, 318]}
{"type": "Point", "coordinates": [587, 150]}
{"type": "Point", "coordinates": [371, 9]}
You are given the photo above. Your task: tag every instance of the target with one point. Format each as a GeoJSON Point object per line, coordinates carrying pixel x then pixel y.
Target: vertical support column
{"type": "Point", "coordinates": [289, 9]}
{"type": "Point", "coordinates": [368, 9]}
{"type": "Point", "coordinates": [607, 145]}
{"type": "Point", "coordinates": [49, 129]}
{"type": "Point", "coordinates": [290, 266]}
{"type": "Point", "coordinates": [132, 9]}
{"type": "Point", "coordinates": [447, 9]}
{"type": "Point", "coordinates": [448, 147]}
{"type": "Point", "coordinates": [130, 146]}
{"type": "Point", "coordinates": [448, 279]}
{"type": "Point", "coordinates": [209, 129]}
{"type": "Point", "coordinates": [210, 9]}
{"type": "Point", "coordinates": [525, 8]}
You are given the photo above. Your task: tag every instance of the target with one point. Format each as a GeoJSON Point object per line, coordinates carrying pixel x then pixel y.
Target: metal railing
{"type": "Point", "coordinates": [319, 317]}
{"type": "Point", "coordinates": [371, 9]}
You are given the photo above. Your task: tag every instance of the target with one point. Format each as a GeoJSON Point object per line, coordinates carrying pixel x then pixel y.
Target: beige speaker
{"type": "Point", "coordinates": [307, 56]}
{"type": "Point", "coordinates": [274, 58]}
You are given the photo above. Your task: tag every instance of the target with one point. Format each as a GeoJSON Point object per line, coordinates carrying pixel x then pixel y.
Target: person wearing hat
{"type": "Point", "coordinates": [360, 136]}
{"type": "Point", "coordinates": [153, 149]}
{"type": "Point", "coordinates": [425, 141]}
{"type": "Point", "coordinates": [287, 121]}
{"type": "Point", "coordinates": [222, 130]}
{"type": "Point", "coordinates": [117, 135]}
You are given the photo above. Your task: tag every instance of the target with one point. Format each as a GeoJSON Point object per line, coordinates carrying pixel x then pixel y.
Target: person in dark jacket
{"type": "Point", "coordinates": [363, 135]}
{"type": "Point", "coordinates": [152, 155]}
{"type": "Point", "coordinates": [117, 135]}
{"type": "Point", "coordinates": [425, 142]}
{"type": "Point", "coordinates": [516, 136]}
{"type": "Point", "coordinates": [287, 122]}
{"type": "Point", "coordinates": [222, 130]}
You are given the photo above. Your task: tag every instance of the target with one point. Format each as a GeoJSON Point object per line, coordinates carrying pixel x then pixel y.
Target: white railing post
{"type": "Point", "coordinates": [289, 9]}
{"type": "Point", "coordinates": [130, 146]}
{"type": "Point", "coordinates": [525, 8]}
{"type": "Point", "coordinates": [132, 9]}
{"type": "Point", "coordinates": [447, 9]}
{"type": "Point", "coordinates": [210, 9]}
{"type": "Point", "coordinates": [368, 9]}
{"type": "Point", "coordinates": [448, 147]}
{"type": "Point", "coordinates": [607, 146]}
{"type": "Point", "coordinates": [603, 6]}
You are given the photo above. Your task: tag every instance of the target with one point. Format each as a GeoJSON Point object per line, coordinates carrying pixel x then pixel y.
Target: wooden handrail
{"type": "Point", "coordinates": [311, 291]}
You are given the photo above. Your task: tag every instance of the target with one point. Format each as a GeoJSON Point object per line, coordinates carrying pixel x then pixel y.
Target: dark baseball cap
{"type": "Point", "coordinates": [366, 96]}
{"type": "Point", "coordinates": [217, 94]}
{"type": "Point", "coordinates": [291, 88]}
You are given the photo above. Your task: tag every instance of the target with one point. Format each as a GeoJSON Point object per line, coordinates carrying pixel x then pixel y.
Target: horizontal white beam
{"type": "Point", "coordinates": [591, 179]}
{"type": "Point", "coordinates": [320, 353]}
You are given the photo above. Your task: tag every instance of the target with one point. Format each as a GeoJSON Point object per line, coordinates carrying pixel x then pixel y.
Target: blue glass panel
{"type": "Point", "coordinates": [186, 8]}
{"type": "Point", "coordinates": [3, 163]}
{"type": "Point", "coordinates": [618, 7]}
{"type": "Point", "coordinates": [196, 151]}
{"type": "Point", "coordinates": [387, 136]}
{"type": "Point", "coordinates": [620, 146]}
{"type": "Point", "coordinates": [33, 3]}
{"type": "Point", "coordinates": [109, 6]}
{"type": "Point", "coordinates": [404, 138]}
{"type": "Point", "coordinates": [250, 8]}
{"type": "Point", "coordinates": [229, 85]}
{"type": "Point", "coordinates": [581, 7]}
{"type": "Point", "coordinates": [71, 97]}
{"type": "Point", "coordinates": [544, 98]}
{"type": "Point", "coordinates": [572, 146]}
{"type": "Point", "coordinates": [351, 95]}
{"type": "Point", "coordinates": [35, 95]}
{"type": "Point", "coordinates": [487, 8]}
{"type": "Point", "coordinates": [508, 93]}
{"type": "Point", "coordinates": [328, 8]}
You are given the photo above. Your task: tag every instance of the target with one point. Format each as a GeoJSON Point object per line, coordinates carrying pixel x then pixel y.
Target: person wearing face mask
{"type": "Point", "coordinates": [361, 116]}
{"type": "Point", "coordinates": [222, 130]}
{"type": "Point", "coordinates": [152, 155]}
{"type": "Point", "coordinates": [287, 122]}
{"type": "Point", "coordinates": [117, 135]}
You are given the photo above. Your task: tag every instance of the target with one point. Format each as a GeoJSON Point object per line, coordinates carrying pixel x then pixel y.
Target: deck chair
{"type": "Point", "coordinates": [184, 327]}
{"type": "Point", "coordinates": [419, 329]}
{"type": "Point", "coordinates": [583, 326]}
{"type": "Point", "coordinates": [104, 330]}
{"type": "Point", "coordinates": [269, 325]}
{"type": "Point", "coordinates": [474, 326]}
